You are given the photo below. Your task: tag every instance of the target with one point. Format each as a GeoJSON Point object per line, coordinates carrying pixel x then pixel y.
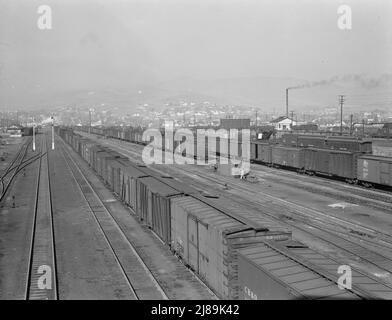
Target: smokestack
{"type": "Point", "coordinates": [287, 102]}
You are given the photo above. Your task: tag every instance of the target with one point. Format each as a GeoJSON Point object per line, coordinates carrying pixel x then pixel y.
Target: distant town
{"type": "Point", "coordinates": [188, 113]}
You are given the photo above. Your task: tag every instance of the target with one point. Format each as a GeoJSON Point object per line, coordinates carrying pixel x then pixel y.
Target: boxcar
{"type": "Point", "coordinates": [311, 141]}
{"type": "Point", "coordinates": [341, 164]}
{"type": "Point", "coordinates": [99, 155]}
{"type": "Point", "coordinates": [114, 177]}
{"type": "Point", "coordinates": [153, 205]}
{"type": "Point", "coordinates": [177, 185]}
{"type": "Point", "coordinates": [86, 146]}
{"type": "Point", "coordinates": [288, 157]}
{"type": "Point", "coordinates": [297, 140]}
{"type": "Point", "coordinates": [103, 158]}
{"type": "Point", "coordinates": [349, 144]}
{"type": "Point", "coordinates": [130, 175]}
{"type": "Point", "coordinates": [271, 271]}
{"type": "Point", "coordinates": [289, 139]}
{"type": "Point", "coordinates": [207, 240]}
{"type": "Point", "coordinates": [113, 167]}
{"type": "Point", "coordinates": [375, 170]}
{"type": "Point", "coordinates": [382, 147]}
{"type": "Point", "coordinates": [93, 156]}
{"type": "Point", "coordinates": [261, 152]}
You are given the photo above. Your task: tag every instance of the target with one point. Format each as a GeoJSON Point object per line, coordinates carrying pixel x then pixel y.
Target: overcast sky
{"type": "Point", "coordinates": [113, 43]}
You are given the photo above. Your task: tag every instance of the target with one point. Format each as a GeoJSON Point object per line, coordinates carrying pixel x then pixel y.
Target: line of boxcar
{"type": "Point", "coordinates": [351, 166]}
{"type": "Point", "coordinates": [338, 157]}
{"type": "Point", "coordinates": [209, 237]}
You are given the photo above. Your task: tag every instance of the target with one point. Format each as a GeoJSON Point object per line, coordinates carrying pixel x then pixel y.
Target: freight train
{"type": "Point", "coordinates": [224, 246]}
{"type": "Point", "coordinates": [344, 158]}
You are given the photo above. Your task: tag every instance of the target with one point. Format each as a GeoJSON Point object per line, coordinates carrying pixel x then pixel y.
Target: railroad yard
{"type": "Point", "coordinates": [69, 238]}
{"type": "Point", "coordinates": [100, 224]}
{"type": "Point", "coordinates": [345, 224]}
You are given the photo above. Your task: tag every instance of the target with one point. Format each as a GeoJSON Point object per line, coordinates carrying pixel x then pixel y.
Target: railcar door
{"type": "Point", "coordinates": [193, 244]}
{"type": "Point", "coordinates": [203, 250]}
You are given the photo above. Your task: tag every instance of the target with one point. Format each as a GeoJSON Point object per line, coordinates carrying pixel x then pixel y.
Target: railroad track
{"type": "Point", "coordinates": [12, 169]}
{"type": "Point", "coordinates": [362, 253]}
{"type": "Point", "coordinates": [309, 217]}
{"type": "Point", "coordinates": [309, 212]}
{"type": "Point", "coordinates": [139, 278]}
{"type": "Point", "coordinates": [41, 279]}
{"type": "Point", "coordinates": [376, 198]}
{"type": "Point", "coordinates": [327, 182]}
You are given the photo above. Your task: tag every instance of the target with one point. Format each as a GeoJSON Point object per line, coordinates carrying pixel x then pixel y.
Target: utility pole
{"type": "Point", "coordinates": [341, 101]}
{"type": "Point", "coordinates": [89, 114]}
{"type": "Point", "coordinates": [52, 133]}
{"type": "Point", "coordinates": [33, 135]}
{"type": "Point", "coordinates": [351, 124]}
{"type": "Point", "coordinates": [363, 128]}
{"type": "Point", "coordinates": [287, 102]}
{"type": "Point", "coordinates": [256, 119]}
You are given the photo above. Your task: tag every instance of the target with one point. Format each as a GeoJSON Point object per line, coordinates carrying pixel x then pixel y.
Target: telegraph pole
{"type": "Point", "coordinates": [33, 135]}
{"type": "Point", "coordinates": [351, 124]}
{"type": "Point", "coordinates": [363, 128]}
{"type": "Point", "coordinates": [89, 114]}
{"type": "Point", "coordinates": [52, 133]}
{"type": "Point", "coordinates": [287, 102]}
{"type": "Point", "coordinates": [341, 101]}
{"type": "Point", "coordinates": [256, 119]}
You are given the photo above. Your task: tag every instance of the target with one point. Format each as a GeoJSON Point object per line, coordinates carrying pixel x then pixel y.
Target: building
{"type": "Point", "coordinates": [14, 131]}
{"type": "Point", "coordinates": [283, 123]}
{"type": "Point", "coordinates": [235, 124]}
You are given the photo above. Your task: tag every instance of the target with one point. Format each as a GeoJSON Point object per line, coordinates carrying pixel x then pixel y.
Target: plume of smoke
{"type": "Point", "coordinates": [365, 81]}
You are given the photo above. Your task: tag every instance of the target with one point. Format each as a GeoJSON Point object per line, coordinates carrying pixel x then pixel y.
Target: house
{"type": "Point", "coordinates": [283, 123]}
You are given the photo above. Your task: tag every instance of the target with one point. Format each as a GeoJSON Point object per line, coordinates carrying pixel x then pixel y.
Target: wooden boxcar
{"type": "Point", "coordinates": [153, 205]}
{"type": "Point", "coordinates": [341, 164]}
{"type": "Point", "coordinates": [304, 140]}
{"type": "Point", "coordinates": [126, 185]}
{"type": "Point", "coordinates": [261, 152]}
{"type": "Point", "coordinates": [375, 170]}
{"type": "Point", "coordinates": [382, 147]}
{"type": "Point", "coordinates": [288, 157]}
{"type": "Point", "coordinates": [349, 144]}
{"type": "Point", "coordinates": [113, 167]}
{"type": "Point", "coordinates": [272, 271]}
{"type": "Point", "coordinates": [208, 240]}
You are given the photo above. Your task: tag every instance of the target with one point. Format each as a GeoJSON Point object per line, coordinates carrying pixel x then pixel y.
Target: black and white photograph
{"type": "Point", "coordinates": [206, 151]}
